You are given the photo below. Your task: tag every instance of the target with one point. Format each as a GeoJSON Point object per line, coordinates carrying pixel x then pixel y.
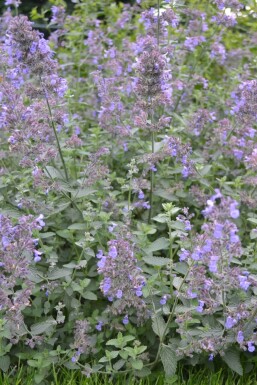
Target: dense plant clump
{"type": "Point", "coordinates": [128, 187]}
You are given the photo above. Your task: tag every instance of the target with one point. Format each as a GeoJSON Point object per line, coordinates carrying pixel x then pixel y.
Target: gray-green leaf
{"type": "Point", "coordinates": [158, 325]}
{"type": "Point", "coordinates": [232, 359]}
{"type": "Point", "coordinates": [169, 360]}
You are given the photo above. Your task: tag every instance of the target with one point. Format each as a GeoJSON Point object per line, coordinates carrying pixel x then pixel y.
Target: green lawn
{"type": "Point", "coordinates": [193, 377]}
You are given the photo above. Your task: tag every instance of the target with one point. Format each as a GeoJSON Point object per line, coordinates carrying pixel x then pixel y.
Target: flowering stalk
{"type": "Point", "coordinates": [55, 133]}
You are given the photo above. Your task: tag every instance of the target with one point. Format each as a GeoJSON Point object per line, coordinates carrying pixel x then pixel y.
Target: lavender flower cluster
{"type": "Point", "coordinates": [18, 251]}
{"type": "Point", "coordinates": [123, 280]}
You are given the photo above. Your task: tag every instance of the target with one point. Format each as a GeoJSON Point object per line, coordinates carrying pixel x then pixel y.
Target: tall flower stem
{"type": "Point", "coordinates": [56, 136]}
{"type": "Point", "coordinates": [158, 25]}
{"type": "Point", "coordinates": [152, 184]}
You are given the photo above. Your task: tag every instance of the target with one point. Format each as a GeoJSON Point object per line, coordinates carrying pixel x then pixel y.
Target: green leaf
{"type": "Point", "coordinates": [169, 359]}
{"type": "Point", "coordinates": [166, 195]}
{"type": "Point", "coordinates": [64, 234]}
{"type": "Point", "coordinates": [57, 273]}
{"type": "Point", "coordinates": [137, 364]}
{"type": "Point", "coordinates": [53, 173]}
{"type": "Point", "coordinates": [46, 235]}
{"type": "Point", "coordinates": [252, 220]}
{"type": "Point", "coordinates": [158, 325]}
{"type": "Point", "coordinates": [81, 193]}
{"type": "Point", "coordinates": [89, 295]}
{"type": "Point", "coordinates": [159, 244]}
{"type": "Point", "coordinates": [77, 226]}
{"type": "Point", "coordinates": [42, 327]}
{"type": "Point", "coordinates": [177, 282]}
{"type": "Point", "coordinates": [144, 372]}
{"type": "Point", "coordinates": [118, 365]}
{"type": "Point", "coordinates": [232, 359]}
{"type": "Point", "coordinates": [5, 363]}
{"type": "Point", "coordinates": [156, 261]}
{"type": "Point", "coordinates": [38, 377]}
{"type": "Point", "coordinates": [61, 207]}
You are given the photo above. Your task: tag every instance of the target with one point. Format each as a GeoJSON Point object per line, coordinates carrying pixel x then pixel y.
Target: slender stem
{"type": "Point", "coordinates": [55, 134]}
{"type": "Point", "coordinates": [152, 184]}
{"type": "Point", "coordinates": [158, 25]}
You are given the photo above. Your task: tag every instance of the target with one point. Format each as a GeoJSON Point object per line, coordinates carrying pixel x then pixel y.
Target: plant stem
{"type": "Point", "coordinates": [158, 25]}
{"type": "Point", "coordinates": [55, 134]}
{"type": "Point", "coordinates": [152, 184]}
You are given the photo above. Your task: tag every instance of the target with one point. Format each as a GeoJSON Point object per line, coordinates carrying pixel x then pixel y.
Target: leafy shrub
{"type": "Point", "coordinates": [128, 187]}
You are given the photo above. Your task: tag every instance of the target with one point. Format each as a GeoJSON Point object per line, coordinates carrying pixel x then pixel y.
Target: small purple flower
{"type": "Point", "coordinates": [113, 252]}
{"type": "Point", "coordinates": [99, 254]}
{"type": "Point", "coordinates": [200, 306]}
{"type": "Point", "coordinates": [213, 264]}
{"type": "Point", "coordinates": [125, 146]}
{"type": "Point", "coordinates": [125, 320]}
{"type": "Point", "coordinates": [240, 337]}
{"type": "Point", "coordinates": [146, 205]}
{"type": "Point", "coordinates": [99, 326]}
{"type": "Point", "coordinates": [141, 195]}
{"type": "Point", "coordinates": [5, 241]}
{"type": "Point", "coordinates": [251, 347]}
{"type": "Point", "coordinates": [243, 282]}
{"type": "Point", "coordinates": [139, 292]}
{"type": "Point", "coordinates": [112, 227]}
{"type": "Point", "coordinates": [191, 294]}
{"type": "Point", "coordinates": [102, 262]}
{"type": "Point", "coordinates": [183, 255]}
{"type": "Point", "coordinates": [230, 322]}
{"type": "Point", "coordinates": [119, 294]}
{"type": "Point", "coordinates": [106, 285]}
{"type": "Point", "coordinates": [37, 255]}
{"type": "Point", "coordinates": [233, 237]}
{"type": "Point", "coordinates": [211, 357]}
{"type": "Point", "coordinates": [218, 231]}
{"type": "Point", "coordinates": [234, 212]}
{"type": "Point", "coordinates": [73, 359]}
{"type": "Point", "coordinates": [40, 220]}
{"type": "Point", "coordinates": [163, 299]}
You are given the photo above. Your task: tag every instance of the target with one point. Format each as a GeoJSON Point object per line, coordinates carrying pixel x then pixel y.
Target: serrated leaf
{"type": "Point", "coordinates": [159, 244]}
{"type": "Point", "coordinates": [232, 359]}
{"type": "Point", "coordinates": [53, 173]}
{"type": "Point", "coordinates": [158, 325]}
{"type": "Point", "coordinates": [181, 267]}
{"type": "Point", "coordinates": [81, 193]}
{"type": "Point", "coordinates": [12, 213]}
{"type": "Point", "coordinates": [169, 360]}
{"type": "Point", "coordinates": [156, 261]}
{"type": "Point", "coordinates": [5, 363]}
{"type": "Point", "coordinates": [42, 327]}
{"type": "Point", "coordinates": [33, 275]}
{"type": "Point", "coordinates": [61, 207]}
{"type": "Point", "coordinates": [57, 273]}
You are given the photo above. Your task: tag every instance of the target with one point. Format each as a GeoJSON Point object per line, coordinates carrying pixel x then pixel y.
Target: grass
{"type": "Point", "coordinates": [192, 377]}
